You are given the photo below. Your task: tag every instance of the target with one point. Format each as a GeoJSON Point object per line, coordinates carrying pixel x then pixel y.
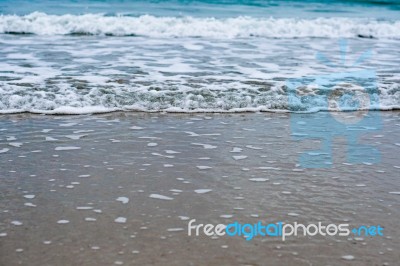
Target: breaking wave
{"type": "Point", "coordinates": [147, 25]}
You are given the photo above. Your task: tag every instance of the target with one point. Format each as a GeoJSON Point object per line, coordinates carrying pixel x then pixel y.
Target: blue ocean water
{"type": "Point", "coordinates": [380, 9]}
{"type": "Point", "coordinates": [194, 56]}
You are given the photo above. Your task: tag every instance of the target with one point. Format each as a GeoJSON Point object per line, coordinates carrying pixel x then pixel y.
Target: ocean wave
{"type": "Point", "coordinates": [233, 97]}
{"type": "Point", "coordinates": [147, 25]}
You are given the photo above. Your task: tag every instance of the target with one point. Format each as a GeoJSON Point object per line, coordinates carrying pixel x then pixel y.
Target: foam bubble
{"type": "Point", "coordinates": [66, 148]}
{"type": "Point", "coordinates": [239, 157]}
{"type": "Point", "coordinates": [120, 220]}
{"type": "Point", "coordinates": [348, 257]}
{"type": "Point", "coordinates": [203, 167]}
{"type": "Point", "coordinates": [123, 200]}
{"type": "Point", "coordinates": [4, 150]}
{"type": "Point", "coordinates": [258, 179]}
{"type": "Point", "coordinates": [202, 191]}
{"type": "Point", "coordinates": [161, 197]}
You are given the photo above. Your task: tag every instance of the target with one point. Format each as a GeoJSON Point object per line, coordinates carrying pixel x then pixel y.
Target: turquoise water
{"type": "Point", "coordinates": [381, 9]}
{"type": "Point", "coordinates": [197, 56]}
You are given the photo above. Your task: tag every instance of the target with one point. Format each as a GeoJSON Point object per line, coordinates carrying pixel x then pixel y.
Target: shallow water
{"type": "Point", "coordinates": [91, 190]}
{"type": "Point", "coordinates": [201, 56]}
{"type": "Point", "coordinates": [100, 74]}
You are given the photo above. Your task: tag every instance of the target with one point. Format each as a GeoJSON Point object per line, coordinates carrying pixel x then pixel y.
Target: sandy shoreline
{"type": "Point", "coordinates": [68, 182]}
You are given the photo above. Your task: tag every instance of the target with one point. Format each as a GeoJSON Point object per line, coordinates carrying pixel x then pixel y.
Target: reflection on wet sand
{"type": "Point", "coordinates": [120, 189]}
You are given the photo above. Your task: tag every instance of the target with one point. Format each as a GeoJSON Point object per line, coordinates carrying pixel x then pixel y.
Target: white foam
{"type": "Point", "coordinates": [136, 128]}
{"type": "Point", "coordinates": [253, 147]}
{"type": "Point", "coordinates": [161, 197]}
{"type": "Point", "coordinates": [258, 179]}
{"type": "Point", "coordinates": [67, 148]}
{"type": "Point", "coordinates": [202, 191]}
{"type": "Point", "coordinates": [146, 25]}
{"type": "Point", "coordinates": [243, 75]}
{"type": "Point", "coordinates": [152, 144]}
{"type": "Point", "coordinates": [75, 137]}
{"type": "Point", "coordinates": [68, 124]}
{"type": "Point", "coordinates": [348, 257]}
{"type": "Point", "coordinates": [175, 229]}
{"type": "Point", "coordinates": [15, 144]}
{"type": "Point", "coordinates": [192, 134]}
{"type": "Point", "coordinates": [205, 146]}
{"type": "Point", "coordinates": [120, 220]}
{"type": "Point", "coordinates": [123, 200]}
{"type": "Point", "coordinates": [161, 155]}
{"type": "Point", "coordinates": [203, 167]}
{"type": "Point", "coordinates": [269, 168]}
{"type": "Point", "coordinates": [236, 150]}
{"type": "Point", "coordinates": [84, 208]}
{"type": "Point", "coordinates": [4, 150]}
{"type": "Point", "coordinates": [191, 46]}
{"type": "Point", "coordinates": [83, 131]}
{"type": "Point", "coordinates": [171, 152]}
{"type": "Point", "coordinates": [239, 157]}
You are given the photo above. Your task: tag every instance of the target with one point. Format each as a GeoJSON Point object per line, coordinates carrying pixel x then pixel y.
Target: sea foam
{"type": "Point", "coordinates": [147, 25]}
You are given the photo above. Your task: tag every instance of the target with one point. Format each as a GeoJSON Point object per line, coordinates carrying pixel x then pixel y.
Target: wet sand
{"type": "Point", "coordinates": [76, 190]}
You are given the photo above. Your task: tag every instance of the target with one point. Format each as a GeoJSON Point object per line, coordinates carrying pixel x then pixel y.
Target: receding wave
{"type": "Point", "coordinates": [233, 97]}
{"type": "Point", "coordinates": [146, 25]}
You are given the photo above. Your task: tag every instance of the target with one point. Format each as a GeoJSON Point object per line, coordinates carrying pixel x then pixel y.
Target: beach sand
{"type": "Point", "coordinates": [120, 188]}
